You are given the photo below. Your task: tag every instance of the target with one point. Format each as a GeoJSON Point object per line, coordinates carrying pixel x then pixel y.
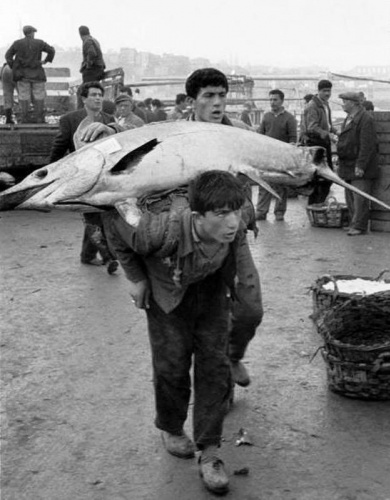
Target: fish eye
{"type": "Point", "coordinates": [41, 173]}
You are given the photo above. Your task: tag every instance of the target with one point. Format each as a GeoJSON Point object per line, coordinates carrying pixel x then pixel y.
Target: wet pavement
{"type": "Point", "coordinates": [78, 411]}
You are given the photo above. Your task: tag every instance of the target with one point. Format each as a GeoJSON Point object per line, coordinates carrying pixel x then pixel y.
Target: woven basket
{"type": "Point", "coordinates": [357, 346]}
{"type": "Point", "coordinates": [359, 380]}
{"type": "Point", "coordinates": [332, 214]}
{"type": "Point", "coordinates": [323, 299]}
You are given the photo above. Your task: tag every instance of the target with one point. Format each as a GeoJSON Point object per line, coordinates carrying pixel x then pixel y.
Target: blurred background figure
{"type": "Point", "coordinates": [126, 89]}
{"type": "Point", "coordinates": [148, 110]}
{"type": "Point", "coordinates": [24, 57]}
{"type": "Point", "coordinates": [302, 128]}
{"type": "Point", "coordinates": [179, 111]}
{"type": "Point", "coordinates": [367, 105]}
{"type": "Point", "coordinates": [281, 125]}
{"type": "Point", "coordinates": [158, 110]}
{"type": "Point", "coordinates": [125, 116]}
{"type": "Point", "coordinates": [245, 114]}
{"type": "Point", "coordinates": [92, 66]}
{"type": "Point", "coordinates": [9, 86]}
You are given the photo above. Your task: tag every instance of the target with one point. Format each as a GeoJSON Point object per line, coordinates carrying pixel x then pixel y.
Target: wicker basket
{"type": "Point", "coordinates": [323, 299]}
{"type": "Point", "coordinates": [332, 214]}
{"type": "Point", "coordinates": [357, 346]}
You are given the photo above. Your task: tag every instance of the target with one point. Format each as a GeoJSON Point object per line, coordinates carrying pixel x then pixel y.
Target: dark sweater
{"type": "Point", "coordinates": [282, 126]}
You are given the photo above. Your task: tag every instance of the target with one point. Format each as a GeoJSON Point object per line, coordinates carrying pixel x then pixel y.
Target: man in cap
{"type": "Point", "coordinates": [357, 149]}
{"type": "Point", "coordinates": [92, 66]}
{"type": "Point", "coordinates": [24, 57]}
{"type": "Point", "coordinates": [124, 111]}
{"type": "Point", "coordinates": [320, 132]}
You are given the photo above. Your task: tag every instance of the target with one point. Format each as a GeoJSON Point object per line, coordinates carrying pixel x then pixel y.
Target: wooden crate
{"type": "Point", "coordinates": [380, 218]}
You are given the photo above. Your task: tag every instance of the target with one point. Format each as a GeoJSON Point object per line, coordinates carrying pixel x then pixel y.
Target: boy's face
{"type": "Point", "coordinates": [220, 225]}
{"type": "Point", "coordinates": [210, 103]}
{"type": "Point", "coordinates": [94, 100]}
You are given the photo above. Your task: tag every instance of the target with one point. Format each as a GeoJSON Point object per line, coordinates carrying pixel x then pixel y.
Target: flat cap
{"type": "Point", "coordinates": [351, 96]}
{"type": "Point", "coordinates": [122, 98]}
{"type": "Point", "coordinates": [29, 29]}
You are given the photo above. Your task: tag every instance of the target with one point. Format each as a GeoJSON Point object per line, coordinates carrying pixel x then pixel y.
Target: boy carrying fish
{"type": "Point", "coordinates": [186, 287]}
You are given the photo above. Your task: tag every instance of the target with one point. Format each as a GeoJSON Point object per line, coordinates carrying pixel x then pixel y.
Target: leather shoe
{"type": "Point", "coordinates": [178, 445]}
{"type": "Point", "coordinates": [239, 374]}
{"type": "Point", "coordinates": [212, 471]}
{"type": "Point", "coordinates": [279, 217]}
{"type": "Point", "coordinates": [355, 232]}
{"type": "Point", "coordinates": [112, 266]}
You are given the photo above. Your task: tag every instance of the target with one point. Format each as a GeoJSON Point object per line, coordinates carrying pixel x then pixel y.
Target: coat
{"type": "Point", "coordinates": [316, 122]}
{"type": "Point", "coordinates": [358, 147]}
{"type": "Point", "coordinates": [63, 142]}
{"type": "Point", "coordinates": [24, 57]}
{"type": "Point", "coordinates": [92, 54]}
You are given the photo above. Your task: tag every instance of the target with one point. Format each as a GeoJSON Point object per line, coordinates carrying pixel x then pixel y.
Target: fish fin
{"type": "Point", "coordinates": [134, 157]}
{"type": "Point", "coordinates": [129, 211]}
{"type": "Point", "coordinates": [326, 173]}
{"type": "Point", "coordinates": [256, 177]}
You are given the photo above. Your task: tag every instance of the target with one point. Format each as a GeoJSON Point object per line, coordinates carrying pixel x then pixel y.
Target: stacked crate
{"type": "Point", "coordinates": [380, 217]}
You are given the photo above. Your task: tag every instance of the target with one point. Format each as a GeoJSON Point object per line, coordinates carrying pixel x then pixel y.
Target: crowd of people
{"type": "Point", "coordinates": [202, 295]}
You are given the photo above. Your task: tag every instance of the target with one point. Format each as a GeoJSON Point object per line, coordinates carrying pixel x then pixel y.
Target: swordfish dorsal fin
{"type": "Point", "coordinates": [256, 177]}
{"type": "Point", "coordinates": [134, 157]}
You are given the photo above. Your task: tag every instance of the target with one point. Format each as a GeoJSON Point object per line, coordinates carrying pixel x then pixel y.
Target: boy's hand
{"type": "Point", "coordinates": [140, 294]}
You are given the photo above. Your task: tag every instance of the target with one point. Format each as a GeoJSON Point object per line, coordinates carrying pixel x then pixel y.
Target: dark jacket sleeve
{"type": "Point", "coordinates": [313, 117]}
{"type": "Point", "coordinates": [292, 129]}
{"type": "Point", "coordinates": [9, 55]}
{"type": "Point", "coordinates": [50, 51]}
{"type": "Point", "coordinates": [63, 142]}
{"type": "Point", "coordinates": [367, 142]}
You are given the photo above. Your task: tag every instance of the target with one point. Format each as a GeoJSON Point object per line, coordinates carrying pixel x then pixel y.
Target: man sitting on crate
{"type": "Point", "coordinates": [358, 159]}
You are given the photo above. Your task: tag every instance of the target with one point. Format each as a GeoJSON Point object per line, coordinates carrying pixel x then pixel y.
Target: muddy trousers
{"type": "Point", "coordinates": [94, 239]}
{"type": "Point", "coordinates": [359, 207]}
{"type": "Point", "coordinates": [197, 328]}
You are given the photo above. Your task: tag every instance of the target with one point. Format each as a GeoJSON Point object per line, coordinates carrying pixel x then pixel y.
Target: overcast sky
{"type": "Point", "coordinates": [336, 34]}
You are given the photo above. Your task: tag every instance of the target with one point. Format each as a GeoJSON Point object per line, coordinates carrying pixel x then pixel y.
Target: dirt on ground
{"type": "Point", "coordinates": [77, 392]}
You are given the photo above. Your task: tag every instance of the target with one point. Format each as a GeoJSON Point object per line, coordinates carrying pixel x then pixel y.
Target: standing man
{"type": "Point", "coordinates": [358, 159]}
{"type": "Point", "coordinates": [92, 66]}
{"type": "Point", "coordinates": [320, 132]}
{"type": "Point", "coordinates": [207, 89]}
{"type": "Point", "coordinates": [281, 125]}
{"type": "Point", "coordinates": [8, 84]}
{"type": "Point", "coordinates": [91, 93]}
{"type": "Point", "coordinates": [185, 292]}
{"type": "Point", "coordinates": [178, 112]}
{"type": "Point", "coordinates": [24, 57]}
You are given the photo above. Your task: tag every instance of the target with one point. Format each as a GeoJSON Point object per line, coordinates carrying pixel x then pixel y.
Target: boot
{"type": "Point", "coordinates": [8, 116]}
{"type": "Point", "coordinates": [24, 105]}
{"type": "Point", "coordinates": [39, 111]}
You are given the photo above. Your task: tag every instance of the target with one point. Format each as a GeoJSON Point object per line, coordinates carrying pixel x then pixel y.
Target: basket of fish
{"type": "Point", "coordinates": [329, 291]}
{"type": "Point", "coordinates": [356, 346]}
{"type": "Point", "coordinates": [331, 214]}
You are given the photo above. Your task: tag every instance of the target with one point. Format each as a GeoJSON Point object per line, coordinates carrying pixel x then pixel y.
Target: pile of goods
{"type": "Point", "coordinates": [352, 315]}
{"type": "Point", "coordinates": [331, 214]}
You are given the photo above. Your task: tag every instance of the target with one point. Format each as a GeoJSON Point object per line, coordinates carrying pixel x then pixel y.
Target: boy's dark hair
{"type": "Point", "coordinates": [205, 77]}
{"type": "Point", "coordinates": [324, 84]}
{"type": "Point", "coordinates": [215, 189]}
{"type": "Point", "coordinates": [180, 98]}
{"type": "Point", "coordinates": [277, 92]}
{"type": "Point", "coordinates": [148, 101]}
{"type": "Point", "coordinates": [89, 85]}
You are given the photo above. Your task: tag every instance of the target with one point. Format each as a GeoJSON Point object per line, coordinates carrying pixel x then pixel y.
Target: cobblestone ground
{"type": "Point", "coordinates": [77, 409]}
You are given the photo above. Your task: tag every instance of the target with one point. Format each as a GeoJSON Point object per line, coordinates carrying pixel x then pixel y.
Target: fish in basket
{"type": "Point", "coordinates": [331, 214]}
{"type": "Point", "coordinates": [329, 291]}
{"type": "Point", "coordinates": [356, 346]}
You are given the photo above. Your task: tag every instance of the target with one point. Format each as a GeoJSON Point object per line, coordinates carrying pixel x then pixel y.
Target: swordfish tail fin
{"type": "Point", "coordinates": [326, 173]}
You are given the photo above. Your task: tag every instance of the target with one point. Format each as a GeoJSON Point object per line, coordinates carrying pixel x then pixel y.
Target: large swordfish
{"type": "Point", "coordinates": [116, 170]}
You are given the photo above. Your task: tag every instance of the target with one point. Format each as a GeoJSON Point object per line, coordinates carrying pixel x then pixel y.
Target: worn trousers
{"type": "Point", "coordinates": [94, 239]}
{"type": "Point", "coordinates": [359, 207]}
{"type": "Point", "coordinates": [264, 200]}
{"type": "Point", "coordinates": [196, 329]}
